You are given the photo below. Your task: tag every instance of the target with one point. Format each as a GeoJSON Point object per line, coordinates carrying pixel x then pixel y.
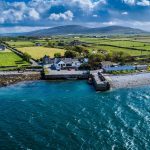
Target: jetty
{"type": "Point", "coordinates": [99, 81]}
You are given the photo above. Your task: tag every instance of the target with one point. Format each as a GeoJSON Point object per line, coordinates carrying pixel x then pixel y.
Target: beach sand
{"type": "Point", "coordinates": [127, 81]}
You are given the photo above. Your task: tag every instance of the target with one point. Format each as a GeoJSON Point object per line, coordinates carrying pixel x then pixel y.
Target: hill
{"type": "Point", "coordinates": [77, 29]}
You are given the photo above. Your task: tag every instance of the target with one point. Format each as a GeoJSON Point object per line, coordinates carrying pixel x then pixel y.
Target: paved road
{"type": "Point", "coordinates": [17, 73]}
{"type": "Point", "coordinates": [65, 72]}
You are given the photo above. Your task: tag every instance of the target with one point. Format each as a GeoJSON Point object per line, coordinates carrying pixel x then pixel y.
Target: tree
{"type": "Point", "coordinates": [85, 67]}
{"type": "Point", "coordinates": [120, 57]}
{"type": "Point", "coordinates": [70, 54]}
{"type": "Point", "coordinates": [61, 44]}
{"type": "Point", "coordinates": [78, 49]}
{"type": "Point", "coordinates": [95, 59]}
{"type": "Point", "coordinates": [57, 55]}
{"type": "Point", "coordinates": [26, 57]}
{"type": "Point", "coordinates": [50, 44]}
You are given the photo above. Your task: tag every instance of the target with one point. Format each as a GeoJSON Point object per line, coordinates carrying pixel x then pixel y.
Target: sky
{"type": "Point", "coordinates": [29, 15]}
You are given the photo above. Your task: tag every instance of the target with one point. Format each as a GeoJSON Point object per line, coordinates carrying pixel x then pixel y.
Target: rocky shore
{"type": "Point", "coordinates": [7, 78]}
{"type": "Point", "coordinates": [127, 81]}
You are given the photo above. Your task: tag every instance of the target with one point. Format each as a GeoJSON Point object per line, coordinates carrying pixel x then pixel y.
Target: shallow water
{"type": "Point", "coordinates": [71, 115]}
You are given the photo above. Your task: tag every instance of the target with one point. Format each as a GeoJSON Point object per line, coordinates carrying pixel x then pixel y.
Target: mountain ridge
{"type": "Point", "coordinates": [79, 30]}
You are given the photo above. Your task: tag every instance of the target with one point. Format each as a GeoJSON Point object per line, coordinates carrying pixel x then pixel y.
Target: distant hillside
{"type": "Point", "coordinates": [77, 29]}
{"type": "Point", "coordinates": [60, 30]}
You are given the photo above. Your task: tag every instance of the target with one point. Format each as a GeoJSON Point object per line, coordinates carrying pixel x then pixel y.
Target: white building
{"type": "Point", "coordinates": [65, 63]}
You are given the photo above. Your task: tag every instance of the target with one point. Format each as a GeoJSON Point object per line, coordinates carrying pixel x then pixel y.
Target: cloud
{"type": "Point", "coordinates": [130, 2]}
{"type": "Point", "coordinates": [137, 2]}
{"type": "Point", "coordinates": [68, 15]}
{"type": "Point", "coordinates": [19, 29]}
{"type": "Point", "coordinates": [34, 14]}
{"type": "Point", "coordinates": [144, 3]}
{"type": "Point", "coordinates": [14, 12]}
{"type": "Point", "coordinates": [124, 13]}
{"type": "Point", "coordinates": [85, 5]}
{"type": "Point", "coordinates": [95, 15]}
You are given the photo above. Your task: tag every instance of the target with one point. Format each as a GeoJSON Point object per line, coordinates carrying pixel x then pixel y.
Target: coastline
{"type": "Point", "coordinates": [8, 78]}
{"type": "Point", "coordinates": [115, 81]}
{"type": "Point", "coordinates": [129, 80]}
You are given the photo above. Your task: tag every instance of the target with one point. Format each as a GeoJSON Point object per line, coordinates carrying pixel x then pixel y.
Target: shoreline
{"type": "Point", "coordinates": [128, 80]}
{"type": "Point", "coordinates": [115, 81]}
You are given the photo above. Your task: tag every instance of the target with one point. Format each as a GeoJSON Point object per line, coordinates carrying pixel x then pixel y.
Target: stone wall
{"type": "Point", "coordinates": [7, 79]}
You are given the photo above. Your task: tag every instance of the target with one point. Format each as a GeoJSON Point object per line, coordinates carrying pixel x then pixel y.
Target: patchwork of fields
{"type": "Point", "coordinates": [135, 46]}
{"type": "Point", "coordinates": [40, 52]}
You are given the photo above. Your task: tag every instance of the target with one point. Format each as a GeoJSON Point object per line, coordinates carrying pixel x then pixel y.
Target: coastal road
{"type": "Point", "coordinates": [17, 73]}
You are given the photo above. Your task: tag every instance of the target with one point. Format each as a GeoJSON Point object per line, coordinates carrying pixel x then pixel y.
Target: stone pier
{"type": "Point", "coordinates": [99, 81]}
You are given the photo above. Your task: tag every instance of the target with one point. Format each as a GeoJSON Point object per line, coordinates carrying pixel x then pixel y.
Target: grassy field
{"type": "Point", "coordinates": [6, 50]}
{"type": "Point", "coordinates": [11, 59]}
{"type": "Point", "coordinates": [21, 43]}
{"type": "Point", "coordinates": [123, 44]}
{"type": "Point", "coordinates": [126, 45]}
{"type": "Point", "coordinates": [129, 51]}
{"type": "Point", "coordinates": [39, 52]}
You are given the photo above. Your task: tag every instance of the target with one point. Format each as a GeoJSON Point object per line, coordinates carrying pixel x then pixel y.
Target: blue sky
{"type": "Point", "coordinates": [27, 15]}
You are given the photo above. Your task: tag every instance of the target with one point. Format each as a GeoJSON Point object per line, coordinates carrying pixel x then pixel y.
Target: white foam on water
{"type": "Point", "coordinates": [128, 141]}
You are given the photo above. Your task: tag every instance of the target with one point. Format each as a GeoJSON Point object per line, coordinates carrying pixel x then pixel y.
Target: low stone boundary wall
{"type": "Point", "coordinates": [7, 79]}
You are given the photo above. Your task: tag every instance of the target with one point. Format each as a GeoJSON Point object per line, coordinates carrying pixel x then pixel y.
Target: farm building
{"type": "Point", "coordinates": [38, 44]}
{"type": "Point", "coordinates": [119, 68]}
{"type": "Point", "coordinates": [106, 64]}
{"type": "Point", "coordinates": [141, 67]}
{"type": "Point", "coordinates": [2, 47]}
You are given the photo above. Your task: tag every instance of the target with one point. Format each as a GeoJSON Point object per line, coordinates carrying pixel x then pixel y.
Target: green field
{"type": "Point", "coordinates": [11, 59]}
{"type": "Point", "coordinates": [129, 46]}
{"type": "Point", "coordinates": [39, 52]}
{"type": "Point", "coordinates": [129, 51]}
{"type": "Point", "coordinates": [20, 43]}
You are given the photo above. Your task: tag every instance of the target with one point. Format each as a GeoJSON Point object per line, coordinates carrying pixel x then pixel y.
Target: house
{"type": "Point", "coordinates": [63, 63]}
{"type": "Point", "coordinates": [2, 47]}
{"type": "Point", "coordinates": [38, 44]}
{"type": "Point", "coordinates": [66, 63]}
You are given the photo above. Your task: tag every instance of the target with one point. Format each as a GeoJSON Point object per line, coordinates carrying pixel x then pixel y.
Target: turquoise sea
{"type": "Point", "coordinates": [72, 116]}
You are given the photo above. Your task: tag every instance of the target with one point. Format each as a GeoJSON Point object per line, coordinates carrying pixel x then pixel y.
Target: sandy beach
{"type": "Point", "coordinates": [125, 81]}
